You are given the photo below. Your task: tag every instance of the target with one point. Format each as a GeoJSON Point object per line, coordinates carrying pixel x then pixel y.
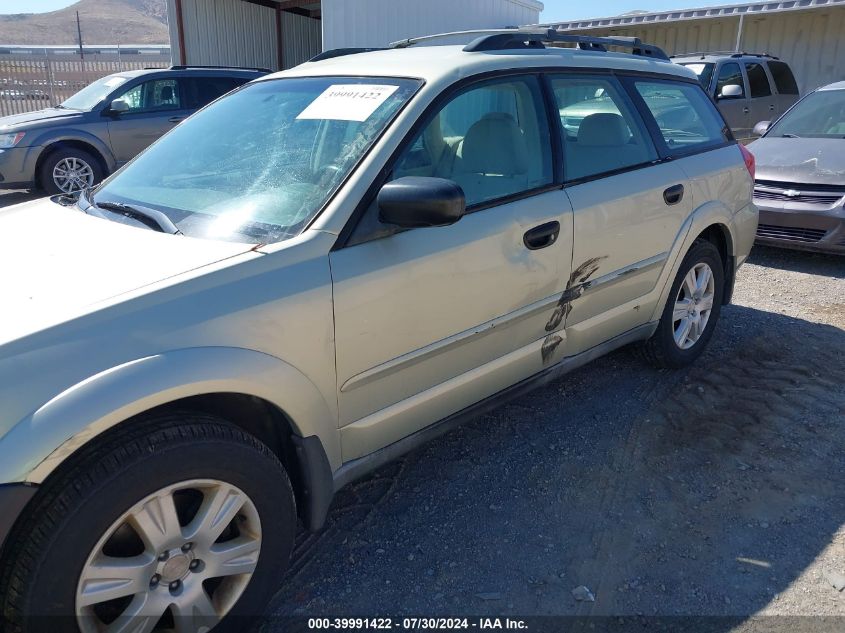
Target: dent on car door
{"type": "Point", "coordinates": [155, 106]}
{"type": "Point", "coordinates": [431, 320]}
{"type": "Point", "coordinates": [627, 208]}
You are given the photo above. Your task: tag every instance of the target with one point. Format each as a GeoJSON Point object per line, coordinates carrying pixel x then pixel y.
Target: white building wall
{"type": "Point", "coordinates": [372, 23]}
{"type": "Point", "coordinates": [811, 41]}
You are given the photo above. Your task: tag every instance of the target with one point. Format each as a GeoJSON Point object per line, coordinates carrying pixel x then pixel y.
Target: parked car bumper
{"type": "Point", "coordinates": [17, 167]}
{"type": "Point", "coordinates": [13, 499]}
{"type": "Point", "coordinates": [799, 227]}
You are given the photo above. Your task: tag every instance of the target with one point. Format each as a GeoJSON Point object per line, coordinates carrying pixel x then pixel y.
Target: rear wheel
{"type": "Point", "coordinates": [69, 169]}
{"type": "Point", "coordinates": [181, 522]}
{"type": "Point", "coordinates": [691, 311]}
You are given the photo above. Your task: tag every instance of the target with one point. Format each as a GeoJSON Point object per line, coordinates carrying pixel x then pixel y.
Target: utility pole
{"type": "Point", "coordinates": [79, 35]}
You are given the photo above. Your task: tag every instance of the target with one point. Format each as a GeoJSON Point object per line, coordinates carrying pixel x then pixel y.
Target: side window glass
{"type": "Point", "coordinates": [601, 132]}
{"type": "Point", "coordinates": [758, 82]}
{"type": "Point", "coordinates": [729, 75]}
{"type": "Point", "coordinates": [204, 90]}
{"type": "Point", "coordinates": [159, 94]}
{"type": "Point", "coordinates": [684, 114]}
{"type": "Point", "coordinates": [492, 140]}
{"type": "Point", "coordinates": [784, 79]}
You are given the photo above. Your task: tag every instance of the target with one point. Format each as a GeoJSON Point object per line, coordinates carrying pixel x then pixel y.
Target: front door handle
{"type": "Point", "coordinates": [674, 194]}
{"type": "Point", "coordinates": [745, 110]}
{"type": "Point", "coordinates": [176, 119]}
{"type": "Point", "coordinates": [541, 236]}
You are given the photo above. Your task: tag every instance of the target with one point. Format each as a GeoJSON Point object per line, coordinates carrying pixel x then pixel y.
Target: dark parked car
{"type": "Point", "coordinates": [800, 182]}
{"type": "Point", "coordinates": [104, 125]}
{"type": "Point", "coordinates": [747, 87]}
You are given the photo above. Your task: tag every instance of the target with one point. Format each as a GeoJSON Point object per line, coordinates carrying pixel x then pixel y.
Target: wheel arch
{"type": "Point", "coordinates": [88, 144]}
{"type": "Point", "coordinates": [262, 395]}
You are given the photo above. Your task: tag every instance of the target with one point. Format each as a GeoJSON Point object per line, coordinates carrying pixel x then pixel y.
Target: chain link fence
{"type": "Point", "coordinates": [35, 82]}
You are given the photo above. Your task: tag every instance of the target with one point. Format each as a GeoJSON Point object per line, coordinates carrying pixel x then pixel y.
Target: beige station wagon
{"type": "Point", "coordinates": [319, 272]}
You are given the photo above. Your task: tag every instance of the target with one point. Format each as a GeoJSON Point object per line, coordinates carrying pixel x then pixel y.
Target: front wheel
{"type": "Point", "coordinates": [69, 169]}
{"type": "Point", "coordinates": [175, 523]}
{"type": "Point", "coordinates": [691, 311]}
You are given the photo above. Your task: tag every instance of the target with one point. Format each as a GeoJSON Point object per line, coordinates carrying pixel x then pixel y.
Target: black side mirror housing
{"type": "Point", "coordinates": [414, 202]}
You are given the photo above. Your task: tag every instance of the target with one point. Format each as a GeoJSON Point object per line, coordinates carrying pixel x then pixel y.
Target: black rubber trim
{"type": "Point", "coordinates": [316, 479]}
{"type": "Point", "coordinates": [13, 499]}
{"type": "Point", "coordinates": [730, 279]}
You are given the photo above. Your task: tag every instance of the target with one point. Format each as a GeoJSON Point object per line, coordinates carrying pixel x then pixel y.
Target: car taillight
{"type": "Point", "coordinates": [749, 160]}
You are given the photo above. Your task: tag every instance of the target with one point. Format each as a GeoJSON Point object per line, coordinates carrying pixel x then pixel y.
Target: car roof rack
{"type": "Point", "coordinates": [703, 54]}
{"type": "Point", "coordinates": [192, 66]}
{"type": "Point", "coordinates": [528, 38]}
{"type": "Point", "coordinates": [341, 52]}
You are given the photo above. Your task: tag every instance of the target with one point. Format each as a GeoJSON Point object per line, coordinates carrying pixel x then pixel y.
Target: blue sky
{"type": "Point", "coordinates": [556, 10]}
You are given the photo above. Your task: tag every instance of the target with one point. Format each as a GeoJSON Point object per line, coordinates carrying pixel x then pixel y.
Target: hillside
{"type": "Point", "coordinates": [103, 22]}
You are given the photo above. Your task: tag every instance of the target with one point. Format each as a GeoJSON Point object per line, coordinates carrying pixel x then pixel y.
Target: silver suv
{"type": "Point", "coordinates": [319, 272]}
{"type": "Point", "coordinates": [747, 87]}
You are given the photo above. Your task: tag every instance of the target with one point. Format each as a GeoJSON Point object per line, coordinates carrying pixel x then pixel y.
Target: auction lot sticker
{"type": "Point", "coordinates": [348, 102]}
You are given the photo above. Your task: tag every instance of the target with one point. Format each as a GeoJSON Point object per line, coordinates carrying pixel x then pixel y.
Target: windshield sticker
{"type": "Point", "coordinates": [348, 102]}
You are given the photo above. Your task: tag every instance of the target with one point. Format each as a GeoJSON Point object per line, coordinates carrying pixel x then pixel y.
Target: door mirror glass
{"type": "Point", "coordinates": [761, 128]}
{"type": "Point", "coordinates": [418, 201]}
{"type": "Point", "coordinates": [731, 91]}
{"type": "Point", "coordinates": [119, 105]}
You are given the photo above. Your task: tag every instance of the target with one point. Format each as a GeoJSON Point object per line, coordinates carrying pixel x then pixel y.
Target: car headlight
{"type": "Point", "coordinates": [10, 140]}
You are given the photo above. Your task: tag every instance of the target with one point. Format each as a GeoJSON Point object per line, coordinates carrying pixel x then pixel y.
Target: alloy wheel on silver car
{"type": "Point", "coordinates": [693, 305]}
{"type": "Point", "coordinates": [73, 174]}
{"type": "Point", "coordinates": [180, 558]}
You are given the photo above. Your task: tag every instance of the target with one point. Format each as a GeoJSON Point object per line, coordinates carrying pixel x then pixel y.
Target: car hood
{"type": "Point", "coordinates": [817, 161]}
{"type": "Point", "coordinates": [38, 116]}
{"type": "Point", "coordinates": [57, 262]}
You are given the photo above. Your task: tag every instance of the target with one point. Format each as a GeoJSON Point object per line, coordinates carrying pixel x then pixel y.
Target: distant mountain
{"type": "Point", "coordinates": [103, 22]}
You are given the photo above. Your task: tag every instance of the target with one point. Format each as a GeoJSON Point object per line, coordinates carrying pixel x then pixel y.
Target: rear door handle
{"type": "Point", "coordinates": [541, 236]}
{"type": "Point", "coordinates": [176, 119]}
{"type": "Point", "coordinates": [771, 108]}
{"type": "Point", "coordinates": [674, 194]}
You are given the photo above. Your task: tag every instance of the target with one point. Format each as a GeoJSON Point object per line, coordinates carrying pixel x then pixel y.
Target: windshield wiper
{"type": "Point", "coordinates": [789, 135]}
{"type": "Point", "coordinates": [152, 218]}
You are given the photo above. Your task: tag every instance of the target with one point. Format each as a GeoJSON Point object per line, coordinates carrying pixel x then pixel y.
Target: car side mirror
{"type": "Point", "coordinates": [414, 201]}
{"type": "Point", "coordinates": [761, 128]}
{"type": "Point", "coordinates": [118, 105]}
{"type": "Point", "coordinates": [731, 91]}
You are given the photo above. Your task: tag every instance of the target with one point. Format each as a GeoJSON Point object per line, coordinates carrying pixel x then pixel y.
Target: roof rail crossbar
{"type": "Point", "coordinates": [340, 52]}
{"type": "Point", "coordinates": [524, 38]}
{"type": "Point", "coordinates": [193, 66]}
{"type": "Point", "coordinates": [424, 38]}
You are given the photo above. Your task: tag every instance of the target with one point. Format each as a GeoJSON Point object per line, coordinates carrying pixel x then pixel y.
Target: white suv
{"type": "Point", "coordinates": [320, 271]}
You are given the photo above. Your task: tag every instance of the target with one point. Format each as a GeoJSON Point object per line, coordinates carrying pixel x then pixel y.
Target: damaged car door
{"type": "Point", "coordinates": [432, 319]}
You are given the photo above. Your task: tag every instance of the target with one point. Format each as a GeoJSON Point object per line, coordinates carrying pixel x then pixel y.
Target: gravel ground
{"type": "Point", "coordinates": [714, 490]}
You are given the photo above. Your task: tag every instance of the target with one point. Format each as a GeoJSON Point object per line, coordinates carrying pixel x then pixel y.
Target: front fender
{"type": "Point", "coordinates": [36, 445]}
{"type": "Point", "coordinates": [57, 135]}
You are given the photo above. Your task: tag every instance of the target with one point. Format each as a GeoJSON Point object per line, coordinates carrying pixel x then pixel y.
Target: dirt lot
{"type": "Point", "coordinates": [715, 490]}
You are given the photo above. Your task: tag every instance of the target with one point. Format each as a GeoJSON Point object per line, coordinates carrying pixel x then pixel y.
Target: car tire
{"type": "Point", "coordinates": [668, 347]}
{"type": "Point", "coordinates": [207, 467]}
{"type": "Point", "coordinates": [77, 161]}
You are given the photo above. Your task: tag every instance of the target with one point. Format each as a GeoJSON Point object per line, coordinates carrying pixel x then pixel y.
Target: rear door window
{"type": "Point", "coordinates": [685, 116]}
{"type": "Point", "coordinates": [758, 82]}
{"type": "Point", "coordinates": [602, 132]}
{"type": "Point", "coordinates": [204, 90]}
{"type": "Point", "coordinates": [784, 79]}
{"type": "Point", "coordinates": [730, 75]}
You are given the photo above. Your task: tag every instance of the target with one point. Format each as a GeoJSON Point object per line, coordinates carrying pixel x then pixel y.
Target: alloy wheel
{"type": "Point", "coordinates": [73, 174]}
{"type": "Point", "coordinates": [179, 559]}
{"type": "Point", "coordinates": [693, 305]}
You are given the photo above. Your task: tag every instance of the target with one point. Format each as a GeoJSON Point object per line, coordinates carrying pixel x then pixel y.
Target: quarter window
{"type": "Point", "coordinates": [492, 140]}
{"type": "Point", "coordinates": [601, 132]}
{"type": "Point", "coordinates": [784, 79]}
{"type": "Point", "coordinates": [758, 82]}
{"type": "Point", "coordinates": [729, 75]}
{"type": "Point", "coordinates": [683, 113]}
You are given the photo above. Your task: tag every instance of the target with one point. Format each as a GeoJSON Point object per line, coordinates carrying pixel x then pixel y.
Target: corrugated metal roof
{"type": "Point", "coordinates": [680, 15]}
